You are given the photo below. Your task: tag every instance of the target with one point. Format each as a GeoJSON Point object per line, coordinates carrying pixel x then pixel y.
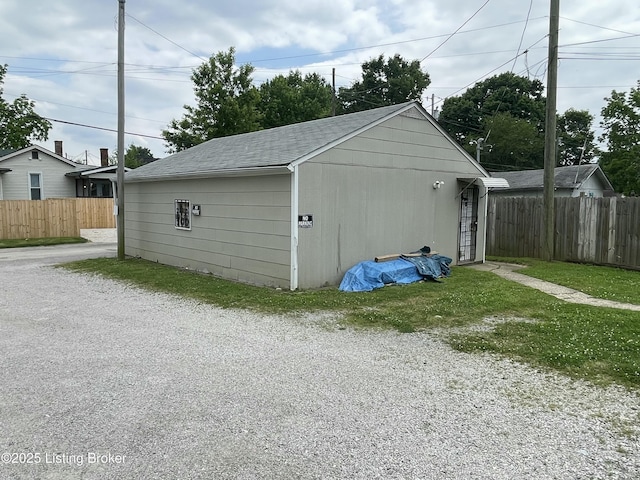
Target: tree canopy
{"type": "Point", "coordinates": [508, 112]}
{"type": "Point", "coordinates": [463, 117]}
{"type": "Point", "coordinates": [293, 98]}
{"type": "Point", "coordinates": [136, 156]}
{"type": "Point", "coordinates": [20, 125]}
{"type": "Point", "coordinates": [509, 143]}
{"type": "Point", "coordinates": [576, 138]}
{"type": "Point", "coordinates": [389, 82]}
{"type": "Point", "coordinates": [226, 104]}
{"type": "Point", "coordinates": [621, 124]}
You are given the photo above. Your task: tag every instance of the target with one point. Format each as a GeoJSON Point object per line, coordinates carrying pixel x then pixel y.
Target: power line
{"type": "Point", "coordinates": [101, 128]}
{"type": "Point", "coordinates": [83, 108]}
{"type": "Point", "coordinates": [473, 30]}
{"type": "Point", "coordinates": [526, 23]}
{"type": "Point", "coordinates": [633, 35]}
{"type": "Point", "coordinates": [457, 30]}
{"type": "Point", "coordinates": [597, 26]}
{"type": "Point", "coordinates": [166, 38]}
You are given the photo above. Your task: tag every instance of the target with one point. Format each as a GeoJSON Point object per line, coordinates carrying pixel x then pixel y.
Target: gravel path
{"type": "Point", "coordinates": [106, 381]}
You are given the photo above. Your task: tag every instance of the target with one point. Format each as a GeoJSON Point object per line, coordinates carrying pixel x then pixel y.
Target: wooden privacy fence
{"type": "Point", "coordinates": [54, 217]}
{"type": "Point", "coordinates": [587, 229]}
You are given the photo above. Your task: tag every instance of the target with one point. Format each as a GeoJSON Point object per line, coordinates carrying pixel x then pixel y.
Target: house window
{"type": "Point", "coordinates": [183, 214]}
{"type": "Point", "coordinates": [35, 186]}
{"type": "Point", "coordinates": [34, 155]}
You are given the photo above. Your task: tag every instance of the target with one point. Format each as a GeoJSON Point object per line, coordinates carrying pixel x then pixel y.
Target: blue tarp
{"type": "Point", "coordinates": [369, 275]}
{"type": "Point", "coordinates": [433, 266]}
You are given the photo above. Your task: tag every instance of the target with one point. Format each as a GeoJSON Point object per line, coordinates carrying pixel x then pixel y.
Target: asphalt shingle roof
{"type": "Point", "coordinates": [565, 177]}
{"type": "Point", "coordinates": [265, 148]}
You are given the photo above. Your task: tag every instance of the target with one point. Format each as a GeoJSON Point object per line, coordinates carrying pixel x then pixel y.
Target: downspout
{"type": "Point", "coordinates": [293, 276]}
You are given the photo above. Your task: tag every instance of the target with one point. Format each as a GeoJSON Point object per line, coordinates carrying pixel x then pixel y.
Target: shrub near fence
{"type": "Point", "coordinates": [594, 230]}
{"type": "Point", "coordinates": [54, 217]}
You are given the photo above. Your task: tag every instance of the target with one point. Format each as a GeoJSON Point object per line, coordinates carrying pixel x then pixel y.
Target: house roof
{"type": "Point", "coordinates": [4, 152]}
{"type": "Point", "coordinates": [271, 149]}
{"type": "Point", "coordinates": [570, 177]}
{"type": "Point", "coordinates": [89, 170]}
{"type": "Point", "coordinates": [7, 154]}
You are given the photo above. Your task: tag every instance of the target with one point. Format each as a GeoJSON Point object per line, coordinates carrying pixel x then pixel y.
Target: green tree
{"type": "Point", "coordinates": [463, 117]}
{"type": "Point", "coordinates": [292, 99]}
{"type": "Point", "coordinates": [576, 138]}
{"type": "Point", "coordinates": [621, 124]}
{"type": "Point", "coordinates": [227, 104]}
{"type": "Point", "coordinates": [509, 143]}
{"type": "Point", "coordinates": [136, 156]}
{"type": "Point", "coordinates": [384, 83]}
{"type": "Point", "coordinates": [19, 123]}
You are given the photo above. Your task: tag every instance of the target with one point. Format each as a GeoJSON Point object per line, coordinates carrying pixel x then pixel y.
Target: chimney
{"type": "Point", "coordinates": [104, 157]}
{"type": "Point", "coordinates": [58, 147]}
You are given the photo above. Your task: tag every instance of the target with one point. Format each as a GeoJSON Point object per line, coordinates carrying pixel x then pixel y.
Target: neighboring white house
{"type": "Point", "coordinates": [297, 206]}
{"type": "Point", "coordinates": [571, 181]}
{"type": "Point", "coordinates": [35, 173]}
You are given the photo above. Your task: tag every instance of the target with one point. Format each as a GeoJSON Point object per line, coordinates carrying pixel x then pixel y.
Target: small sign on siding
{"type": "Point", "coordinates": [305, 221]}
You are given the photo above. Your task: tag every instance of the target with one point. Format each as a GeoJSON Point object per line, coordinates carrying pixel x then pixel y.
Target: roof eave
{"type": "Point", "coordinates": [231, 172]}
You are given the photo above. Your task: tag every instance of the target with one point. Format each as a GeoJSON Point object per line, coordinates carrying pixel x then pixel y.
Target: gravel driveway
{"type": "Point", "coordinates": [105, 381]}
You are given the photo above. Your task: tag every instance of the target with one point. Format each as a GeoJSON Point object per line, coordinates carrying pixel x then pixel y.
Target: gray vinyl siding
{"type": "Point", "coordinates": [243, 232]}
{"type": "Point", "coordinates": [591, 187]}
{"type": "Point", "coordinates": [15, 184]}
{"type": "Point", "coordinates": [373, 195]}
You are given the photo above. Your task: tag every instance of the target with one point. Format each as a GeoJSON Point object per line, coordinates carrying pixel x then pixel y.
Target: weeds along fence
{"type": "Point", "coordinates": [603, 231]}
{"type": "Point", "coordinates": [54, 217]}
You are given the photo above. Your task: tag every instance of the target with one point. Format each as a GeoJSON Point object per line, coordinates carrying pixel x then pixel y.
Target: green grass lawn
{"type": "Point", "coordinates": [610, 283]}
{"type": "Point", "coordinates": [593, 343]}
{"type": "Point", "coordinates": [39, 242]}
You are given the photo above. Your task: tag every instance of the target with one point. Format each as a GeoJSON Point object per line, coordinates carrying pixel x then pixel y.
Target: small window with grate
{"type": "Point", "coordinates": [183, 214]}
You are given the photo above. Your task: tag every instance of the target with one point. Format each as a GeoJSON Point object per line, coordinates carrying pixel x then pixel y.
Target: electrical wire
{"type": "Point", "coordinates": [524, 30]}
{"type": "Point", "coordinates": [166, 38]}
{"type": "Point", "coordinates": [456, 31]}
{"type": "Point", "coordinates": [75, 124]}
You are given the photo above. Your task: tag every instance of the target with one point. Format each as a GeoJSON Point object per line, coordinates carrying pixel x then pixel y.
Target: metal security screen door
{"type": "Point", "coordinates": [468, 224]}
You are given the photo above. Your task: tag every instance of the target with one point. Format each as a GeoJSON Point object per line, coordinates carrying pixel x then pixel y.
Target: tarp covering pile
{"type": "Point", "coordinates": [369, 275]}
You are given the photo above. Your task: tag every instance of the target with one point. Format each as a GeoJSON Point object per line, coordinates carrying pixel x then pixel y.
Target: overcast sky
{"type": "Point", "coordinates": [63, 54]}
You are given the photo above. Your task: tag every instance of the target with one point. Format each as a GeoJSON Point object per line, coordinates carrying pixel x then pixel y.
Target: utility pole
{"type": "Point", "coordinates": [479, 148]}
{"type": "Point", "coordinates": [120, 170]}
{"type": "Point", "coordinates": [550, 133]}
{"type": "Point", "coordinates": [333, 90]}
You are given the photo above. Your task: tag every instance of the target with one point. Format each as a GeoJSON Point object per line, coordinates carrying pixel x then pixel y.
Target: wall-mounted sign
{"type": "Point", "coordinates": [305, 221]}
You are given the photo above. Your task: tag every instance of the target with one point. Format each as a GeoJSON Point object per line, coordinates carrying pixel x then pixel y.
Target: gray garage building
{"type": "Point", "coordinates": [297, 206]}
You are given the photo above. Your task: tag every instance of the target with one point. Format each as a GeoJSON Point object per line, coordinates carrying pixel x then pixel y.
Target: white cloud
{"type": "Point", "coordinates": [63, 54]}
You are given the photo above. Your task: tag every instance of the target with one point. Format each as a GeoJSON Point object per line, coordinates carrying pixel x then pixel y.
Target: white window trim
{"type": "Point", "coordinates": [175, 212]}
{"type": "Point", "coordinates": [42, 197]}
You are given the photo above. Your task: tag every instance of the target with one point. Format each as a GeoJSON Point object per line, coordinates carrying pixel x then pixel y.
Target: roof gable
{"type": "Point", "coordinates": [274, 148]}
{"type": "Point", "coordinates": [49, 153]}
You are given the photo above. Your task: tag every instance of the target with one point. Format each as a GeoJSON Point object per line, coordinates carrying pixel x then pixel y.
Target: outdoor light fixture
{"type": "Point", "coordinates": [437, 184]}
